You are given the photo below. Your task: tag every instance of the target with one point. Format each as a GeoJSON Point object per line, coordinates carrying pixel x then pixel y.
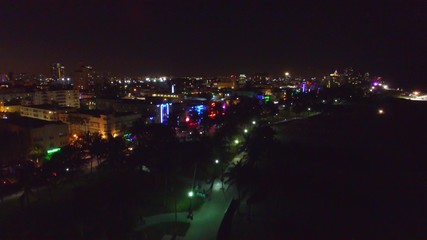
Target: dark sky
{"type": "Point", "coordinates": [186, 37]}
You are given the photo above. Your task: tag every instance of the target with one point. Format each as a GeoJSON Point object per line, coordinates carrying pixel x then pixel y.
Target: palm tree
{"type": "Point", "coordinates": [95, 145]}
{"type": "Point", "coordinates": [115, 151]}
{"type": "Point", "coordinates": [241, 176]}
{"type": "Point", "coordinates": [259, 144]}
{"type": "Point", "coordinates": [37, 153]}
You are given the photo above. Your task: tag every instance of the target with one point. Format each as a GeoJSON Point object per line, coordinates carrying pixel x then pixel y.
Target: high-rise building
{"type": "Point", "coordinates": [58, 71]}
{"type": "Point", "coordinates": [83, 77]}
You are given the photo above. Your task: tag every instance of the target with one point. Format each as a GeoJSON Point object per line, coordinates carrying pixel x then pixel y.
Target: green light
{"type": "Point", "coordinates": [53, 150]}
{"type": "Point", "coordinates": [191, 194]}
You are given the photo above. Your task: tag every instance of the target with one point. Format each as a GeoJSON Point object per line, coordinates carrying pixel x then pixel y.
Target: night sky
{"type": "Point", "coordinates": [186, 37]}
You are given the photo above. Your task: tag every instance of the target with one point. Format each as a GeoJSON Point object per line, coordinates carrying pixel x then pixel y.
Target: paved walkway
{"type": "Point", "coordinates": [206, 220]}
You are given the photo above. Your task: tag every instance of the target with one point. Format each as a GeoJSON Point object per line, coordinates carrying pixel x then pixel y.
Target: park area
{"type": "Point", "coordinates": [351, 173]}
{"type": "Point", "coordinates": [104, 204]}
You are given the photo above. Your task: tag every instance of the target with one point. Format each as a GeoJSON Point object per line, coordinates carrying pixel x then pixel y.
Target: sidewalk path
{"type": "Point", "coordinates": [206, 220]}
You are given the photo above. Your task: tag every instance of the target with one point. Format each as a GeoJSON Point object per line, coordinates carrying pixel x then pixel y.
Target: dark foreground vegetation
{"type": "Point", "coordinates": [350, 173]}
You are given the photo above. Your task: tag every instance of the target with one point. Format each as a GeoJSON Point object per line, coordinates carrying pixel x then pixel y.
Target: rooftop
{"type": "Point", "coordinates": [98, 113]}
{"type": "Point", "coordinates": [28, 122]}
{"type": "Point", "coordinates": [51, 107]}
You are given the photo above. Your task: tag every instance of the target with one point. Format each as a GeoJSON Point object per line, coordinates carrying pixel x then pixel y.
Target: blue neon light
{"type": "Point", "coordinates": [164, 112]}
{"type": "Point", "coordinates": [199, 109]}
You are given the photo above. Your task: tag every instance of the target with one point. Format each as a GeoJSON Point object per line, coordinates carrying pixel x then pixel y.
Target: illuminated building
{"type": "Point", "coordinates": [10, 94]}
{"type": "Point", "coordinates": [65, 98]}
{"type": "Point", "coordinates": [83, 78]}
{"type": "Point", "coordinates": [194, 114]}
{"type": "Point", "coordinates": [9, 107]}
{"type": "Point", "coordinates": [225, 83]}
{"type": "Point", "coordinates": [164, 110]}
{"type": "Point", "coordinates": [27, 133]}
{"type": "Point", "coordinates": [45, 112]}
{"type": "Point", "coordinates": [114, 124]}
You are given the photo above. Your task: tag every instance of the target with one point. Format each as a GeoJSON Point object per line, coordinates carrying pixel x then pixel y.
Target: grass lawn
{"type": "Point", "coordinates": [90, 205]}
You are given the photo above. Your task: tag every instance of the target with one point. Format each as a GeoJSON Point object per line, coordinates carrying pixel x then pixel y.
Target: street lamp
{"type": "Point", "coordinates": [236, 141]}
{"type": "Point", "coordinates": [246, 130]}
{"type": "Point", "coordinates": [253, 122]}
{"type": "Point", "coordinates": [190, 194]}
{"type": "Point", "coordinates": [190, 210]}
{"type": "Point", "coordinates": [216, 161]}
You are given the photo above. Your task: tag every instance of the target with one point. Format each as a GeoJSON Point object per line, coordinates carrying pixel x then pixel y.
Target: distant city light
{"type": "Point", "coordinates": [236, 141]}
{"type": "Point", "coordinates": [246, 130]}
{"type": "Point", "coordinates": [253, 122]}
{"type": "Point", "coordinates": [380, 111]}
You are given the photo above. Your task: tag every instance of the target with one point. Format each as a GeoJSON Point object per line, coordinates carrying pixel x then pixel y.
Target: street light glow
{"type": "Point", "coordinates": [216, 161]}
{"type": "Point", "coordinates": [191, 194]}
{"type": "Point", "coordinates": [253, 122]}
{"type": "Point", "coordinates": [236, 141]}
{"type": "Point", "coordinates": [246, 130]}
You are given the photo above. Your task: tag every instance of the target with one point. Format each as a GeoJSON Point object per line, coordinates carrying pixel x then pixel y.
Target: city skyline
{"type": "Point", "coordinates": [216, 37]}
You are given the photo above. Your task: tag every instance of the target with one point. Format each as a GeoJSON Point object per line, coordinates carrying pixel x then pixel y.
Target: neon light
{"type": "Point", "coordinates": [53, 150]}
{"type": "Point", "coordinates": [164, 111]}
{"type": "Point", "coordinates": [167, 109]}
{"type": "Point", "coordinates": [199, 109]}
{"type": "Point", "coordinates": [161, 113]}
